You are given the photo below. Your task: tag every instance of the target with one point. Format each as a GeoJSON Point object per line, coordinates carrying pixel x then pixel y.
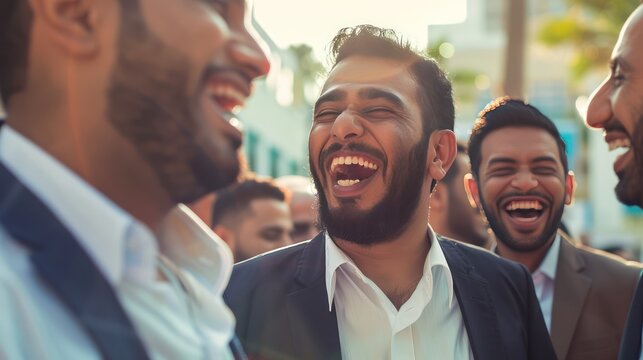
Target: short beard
{"type": "Point", "coordinates": [388, 218]}
{"type": "Point", "coordinates": [149, 105]}
{"type": "Point", "coordinates": [629, 189]}
{"type": "Point", "coordinates": [503, 236]}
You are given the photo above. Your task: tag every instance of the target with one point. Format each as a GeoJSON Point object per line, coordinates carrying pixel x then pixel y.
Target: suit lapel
{"type": "Point", "coordinates": [63, 265]}
{"type": "Point", "coordinates": [570, 291]}
{"type": "Point", "coordinates": [314, 328]}
{"type": "Point", "coordinates": [477, 310]}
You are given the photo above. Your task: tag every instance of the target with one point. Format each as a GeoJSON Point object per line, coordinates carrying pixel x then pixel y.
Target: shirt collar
{"type": "Point", "coordinates": [550, 261]}
{"type": "Point", "coordinates": [120, 245]}
{"type": "Point", "coordinates": [335, 258]}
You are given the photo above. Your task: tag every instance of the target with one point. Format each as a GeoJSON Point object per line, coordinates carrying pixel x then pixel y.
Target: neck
{"type": "Point", "coordinates": [86, 143]}
{"type": "Point", "coordinates": [395, 266]}
{"type": "Point", "coordinates": [531, 259]}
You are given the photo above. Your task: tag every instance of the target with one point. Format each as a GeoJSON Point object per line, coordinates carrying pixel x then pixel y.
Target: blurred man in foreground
{"type": "Point", "coordinates": [302, 206]}
{"type": "Point", "coordinates": [252, 217]}
{"type": "Point", "coordinates": [378, 283]}
{"type": "Point", "coordinates": [451, 214]}
{"type": "Point", "coordinates": [521, 180]}
{"type": "Point", "coordinates": [616, 107]}
{"type": "Point", "coordinates": [114, 119]}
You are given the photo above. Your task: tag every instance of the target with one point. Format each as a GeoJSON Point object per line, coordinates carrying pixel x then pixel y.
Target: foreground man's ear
{"type": "Point", "coordinates": [471, 188]}
{"type": "Point", "coordinates": [441, 153]}
{"type": "Point", "coordinates": [71, 24]}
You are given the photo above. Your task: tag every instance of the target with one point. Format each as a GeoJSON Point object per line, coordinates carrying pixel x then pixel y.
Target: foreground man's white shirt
{"type": "Point", "coordinates": [428, 326]}
{"type": "Point", "coordinates": [171, 323]}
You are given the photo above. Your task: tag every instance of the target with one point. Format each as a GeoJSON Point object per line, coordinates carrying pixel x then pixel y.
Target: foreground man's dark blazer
{"type": "Point", "coordinates": [281, 305]}
{"type": "Point", "coordinates": [631, 342]}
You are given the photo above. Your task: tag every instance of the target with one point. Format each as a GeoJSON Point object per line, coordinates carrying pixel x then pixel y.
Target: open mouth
{"type": "Point", "coordinates": [228, 97]}
{"type": "Point", "coordinates": [351, 170]}
{"type": "Point", "coordinates": [525, 211]}
{"type": "Point", "coordinates": [619, 143]}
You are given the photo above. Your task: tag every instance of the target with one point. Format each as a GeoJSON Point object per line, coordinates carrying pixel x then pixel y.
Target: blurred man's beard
{"type": "Point", "coordinates": [150, 106]}
{"type": "Point", "coordinates": [462, 222]}
{"type": "Point", "coordinates": [502, 234]}
{"type": "Point", "coordinates": [388, 218]}
{"type": "Point", "coordinates": [629, 189]}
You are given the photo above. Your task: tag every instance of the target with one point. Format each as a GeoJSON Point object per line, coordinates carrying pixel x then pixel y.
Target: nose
{"type": "Point", "coordinates": [347, 126]}
{"type": "Point", "coordinates": [599, 109]}
{"type": "Point", "coordinates": [524, 181]}
{"type": "Point", "coordinates": [250, 57]}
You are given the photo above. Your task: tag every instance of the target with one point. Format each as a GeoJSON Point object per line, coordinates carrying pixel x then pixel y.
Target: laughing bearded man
{"type": "Point", "coordinates": [378, 283]}
{"type": "Point", "coordinates": [521, 181]}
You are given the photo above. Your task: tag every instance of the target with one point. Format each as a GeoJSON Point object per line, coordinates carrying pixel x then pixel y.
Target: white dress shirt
{"type": "Point", "coordinates": [171, 323]}
{"type": "Point", "coordinates": [428, 326]}
{"type": "Point", "coordinates": [544, 278]}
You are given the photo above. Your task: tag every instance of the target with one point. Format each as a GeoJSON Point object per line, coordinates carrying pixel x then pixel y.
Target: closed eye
{"type": "Point", "coordinates": [326, 115]}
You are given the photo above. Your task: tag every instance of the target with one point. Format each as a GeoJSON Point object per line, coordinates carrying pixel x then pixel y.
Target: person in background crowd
{"type": "Point", "coordinates": [113, 120]}
{"type": "Point", "coordinates": [616, 107]}
{"type": "Point", "coordinates": [252, 217]}
{"type": "Point", "coordinates": [378, 283]}
{"type": "Point", "coordinates": [302, 206]}
{"type": "Point", "coordinates": [451, 214]}
{"type": "Point", "coordinates": [519, 177]}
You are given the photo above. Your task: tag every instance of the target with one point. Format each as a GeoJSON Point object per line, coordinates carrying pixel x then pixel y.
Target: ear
{"type": "Point", "coordinates": [441, 153]}
{"type": "Point", "coordinates": [227, 235]}
{"type": "Point", "coordinates": [570, 186]}
{"type": "Point", "coordinates": [471, 188]}
{"type": "Point", "coordinates": [69, 23]}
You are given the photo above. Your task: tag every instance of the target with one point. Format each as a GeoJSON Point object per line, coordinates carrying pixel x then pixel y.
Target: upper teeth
{"type": "Point", "coordinates": [524, 205]}
{"type": "Point", "coordinates": [355, 160]}
{"type": "Point", "coordinates": [229, 92]}
{"type": "Point", "coordinates": [618, 143]}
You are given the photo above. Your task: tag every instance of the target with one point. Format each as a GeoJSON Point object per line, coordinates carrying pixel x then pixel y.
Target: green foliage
{"type": "Point", "coordinates": [591, 28]}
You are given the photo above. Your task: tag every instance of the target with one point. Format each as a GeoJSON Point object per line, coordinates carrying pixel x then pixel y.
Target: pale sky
{"type": "Point", "coordinates": [316, 22]}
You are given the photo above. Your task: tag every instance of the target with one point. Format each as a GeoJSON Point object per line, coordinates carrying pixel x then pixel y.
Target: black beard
{"type": "Point", "coordinates": [149, 105]}
{"type": "Point", "coordinates": [388, 218]}
{"type": "Point", "coordinates": [629, 189]}
{"type": "Point", "coordinates": [503, 236]}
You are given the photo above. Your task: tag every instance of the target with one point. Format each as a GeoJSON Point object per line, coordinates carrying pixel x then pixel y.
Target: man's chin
{"type": "Point", "coordinates": [629, 192]}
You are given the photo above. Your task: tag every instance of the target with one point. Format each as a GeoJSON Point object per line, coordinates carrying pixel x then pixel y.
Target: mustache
{"type": "Point", "coordinates": [614, 125]}
{"type": "Point", "coordinates": [534, 193]}
{"type": "Point", "coordinates": [357, 147]}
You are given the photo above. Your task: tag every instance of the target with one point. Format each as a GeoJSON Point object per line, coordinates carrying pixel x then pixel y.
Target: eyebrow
{"type": "Point", "coordinates": [507, 160]}
{"type": "Point", "coordinates": [333, 95]}
{"type": "Point", "coordinates": [620, 63]}
{"type": "Point", "coordinates": [370, 93]}
{"type": "Point", "coordinates": [375, 93]}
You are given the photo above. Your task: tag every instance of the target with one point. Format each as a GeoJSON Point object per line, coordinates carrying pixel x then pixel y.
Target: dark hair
{"type": "Point", "coordinates": [455, 168]}
{"type": "Point", "coordinates": [236, 198]}
{"type": "Point", "coordinates": [506, 112]}
{"type": "Point", "coordinates": [434, 88]}
{"type": "Point", "coordinates": [16, 18]}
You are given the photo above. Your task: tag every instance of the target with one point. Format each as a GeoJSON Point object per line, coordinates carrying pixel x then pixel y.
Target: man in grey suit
{"type": "Point", "coordinates": [521, 180]}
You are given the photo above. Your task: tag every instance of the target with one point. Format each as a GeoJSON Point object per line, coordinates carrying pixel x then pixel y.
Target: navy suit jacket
{"type": "Point", "coordinates": [281, 306]}
{"type": "Point", "coordinates": [631, 342]}
{"type": "Point", "coordinates": [67, 269]}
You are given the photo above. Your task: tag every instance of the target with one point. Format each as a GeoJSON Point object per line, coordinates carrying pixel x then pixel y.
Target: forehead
{"type": "Point", "coordinates": [268, 209]}
{"type": "Point", "coordinates": [356, 72]}
{"type": "Point", "coordinates": [631, 37]}
{"type": "Point", "coordinates": [519, 144]}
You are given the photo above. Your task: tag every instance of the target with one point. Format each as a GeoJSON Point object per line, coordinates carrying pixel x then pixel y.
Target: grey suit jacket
{"type": "Point", "coordinates": [592, 293]}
